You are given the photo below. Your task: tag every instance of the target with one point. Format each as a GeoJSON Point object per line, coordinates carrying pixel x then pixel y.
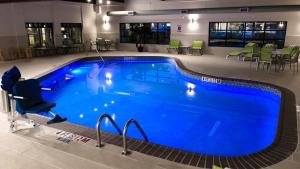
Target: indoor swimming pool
{"type": "Point", "coordinates": [191, 113]}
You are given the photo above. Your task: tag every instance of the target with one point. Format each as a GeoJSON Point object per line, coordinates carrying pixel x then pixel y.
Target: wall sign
{"type": "Point", "coordinates": [179, 28]}
{"type": "Point", "coordinates": [67, 137]}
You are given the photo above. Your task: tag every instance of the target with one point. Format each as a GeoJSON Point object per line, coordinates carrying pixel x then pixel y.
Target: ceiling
{"type": "Point", "coordinates": [82, 1]}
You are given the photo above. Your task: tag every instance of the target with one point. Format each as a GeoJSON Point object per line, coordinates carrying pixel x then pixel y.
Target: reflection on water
{"type": "Point", "coordinates": [92, 79]}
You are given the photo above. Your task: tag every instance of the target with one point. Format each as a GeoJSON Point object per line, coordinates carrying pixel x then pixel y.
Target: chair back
{"type": "Point", "coordinates": [31, 91]}
{"type": "Point", "coordinates": [266, 52]}
{"type": "Point", "coordinates": [174, 43]}
{"type": "Point", "coordinates": [197, 44]}
{"type": "Point", "coordinates": [295, 56]}
{"type": "Point", "coordinates": [10, 78]}
{"type": "Point", "coordinates": [249, 48]}
{"type": "Point", "coordinates": [290, 49]}
{"type": "Point", "coordinates": [268, 48]}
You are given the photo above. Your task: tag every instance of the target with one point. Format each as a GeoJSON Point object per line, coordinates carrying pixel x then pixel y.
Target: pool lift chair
{"type": "Point", "coordinates": [25, 97]}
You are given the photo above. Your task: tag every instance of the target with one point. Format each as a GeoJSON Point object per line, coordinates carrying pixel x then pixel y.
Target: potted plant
{"type": "Point", "coordinates": [139, 31]}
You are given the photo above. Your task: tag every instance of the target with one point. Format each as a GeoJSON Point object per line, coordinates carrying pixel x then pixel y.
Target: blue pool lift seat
{"type": "Point", "coordinates": [28, 95]}
{"type": "Point", "coordinates": [10, 78]}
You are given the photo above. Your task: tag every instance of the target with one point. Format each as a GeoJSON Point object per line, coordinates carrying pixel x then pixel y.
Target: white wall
{"type": "Point", "coordinates": [110, 30]}
{"type": "Point", "coordinates": [182, 4]}
{"type": "Point", "coordinates": [14, 15]}
{"type": "Point", "coordinates": [190, 33]}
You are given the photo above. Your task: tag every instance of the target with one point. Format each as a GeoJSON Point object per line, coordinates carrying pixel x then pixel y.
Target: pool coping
{"type": "Point", "coordinates": [284, 144]}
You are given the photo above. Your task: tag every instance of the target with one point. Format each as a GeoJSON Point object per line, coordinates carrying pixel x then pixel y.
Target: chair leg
{"type": "Point", "coordinates": [294, 68]}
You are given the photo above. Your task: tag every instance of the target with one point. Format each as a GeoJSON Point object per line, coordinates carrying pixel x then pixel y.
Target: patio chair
{"type": "Point", "coordinates": [29, 99]}
{"type": "Point", "coordinates": [251, 53]}
{"type": "Point", "coordinates": [293, 60]}
{"type": "Point", "coordinates": [238, 53]}
{"type": "Point", "coordinates": [197, 46]}
{"type": "Point", "coordinates": [266, 56]}
{"type": "Point", "coordinates": [174, 45]}
{"type": "Point", "coordinates": [290, 50]}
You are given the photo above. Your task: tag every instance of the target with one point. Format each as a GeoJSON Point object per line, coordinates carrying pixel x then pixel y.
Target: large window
{"type": "Point", "coordinates": [40, 34]}
{"type": "Point", "coordinates": [72, 33]}
{"type": "Point", "coordinates": [152, 33]}
{"type": "Point", "coordinates": [237, 34]}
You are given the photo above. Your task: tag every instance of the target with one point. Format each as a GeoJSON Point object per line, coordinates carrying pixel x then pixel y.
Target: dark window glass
{"type": "Point", "coordinates": [71, 33]}
{"type": "Point", "coordinates": [218, 34]}
{"type": "Point", "coordinates": [39, 34]}
{"type": "Point", "coordinates": [275, 34]}
{"type": "Point", "coordinates": [150, 33]}
{"type": "Point", "coordinates": [259, 26]}
{"type": "Point", "coordinates": [249, 25]}
{"type": "Point", "coordinates": [237, 34]}
{"type": "Point", "coordinates": [236, 26]}
{"type": "Point", "coordinates": [275, 25]}
{"type": "Point", "coordinates": [258, 35]}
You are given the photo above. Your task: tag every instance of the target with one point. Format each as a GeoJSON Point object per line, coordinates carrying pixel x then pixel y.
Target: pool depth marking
{"type": "Point", "coordinates": [214, 128]}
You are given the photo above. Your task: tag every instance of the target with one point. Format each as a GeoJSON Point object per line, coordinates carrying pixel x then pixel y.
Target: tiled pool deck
{"type": "Point", "coordinates": [214, 65]}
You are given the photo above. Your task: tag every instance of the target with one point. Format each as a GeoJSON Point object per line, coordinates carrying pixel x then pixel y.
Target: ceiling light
{"type": "Point", "coordinates": [120, 13]}
{"type": "Point", "coordinates": [108, 2]}
{"type": "Point", "coordinates": [281, 24]}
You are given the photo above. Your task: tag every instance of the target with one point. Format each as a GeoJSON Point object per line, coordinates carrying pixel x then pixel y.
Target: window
{"type": "Point", "coordinates": [152, 33]}
{"type": "Point", "coordinates": [40, 34]}
{"type": "Point", "coordinates": [237, 34]}
{"type": "Point", "coordinates": [71, 33]}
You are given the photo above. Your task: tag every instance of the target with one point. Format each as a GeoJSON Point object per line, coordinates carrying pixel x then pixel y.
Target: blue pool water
{"type": "Point", "coordinates": [174, 110]}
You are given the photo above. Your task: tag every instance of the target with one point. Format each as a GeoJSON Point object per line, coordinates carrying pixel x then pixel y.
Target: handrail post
{"type": "Point", "coordinates": [98, 127]}
{"type": "Point", "coordinates": [125, 151]}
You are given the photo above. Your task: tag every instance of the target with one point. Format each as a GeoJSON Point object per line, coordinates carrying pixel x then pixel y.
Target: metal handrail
{"type": "Point", "coordinates": [125, 152]}
{"type": "Point", "coordinates": [98, 127]}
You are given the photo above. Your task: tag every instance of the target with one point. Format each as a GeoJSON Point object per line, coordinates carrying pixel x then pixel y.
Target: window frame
{"type": "Point", "coordinates": [225, 42]}
{"type": "Point", "coordinates": [39, 26]}
{"type": "Point", "coordinates": [156, 33]}
{"type": "Point", "coordinates": [71, 25]}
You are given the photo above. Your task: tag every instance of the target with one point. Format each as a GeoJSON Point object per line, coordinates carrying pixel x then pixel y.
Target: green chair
{"type": "Point", "coordinates": [251, 53]}
{"type": "Point", "coordinates": [266, 56]}
{"type": "Point", "coordinates": [239, 53]}
{"type": "Point", "coordinates": [290, 50]}
{"type": "Point", "coordinates": [174, 45]}
{"type": "Point", "coordinates": [293, 60]}
{"type": "Point", "coordinates": [216, 167]}
{"type": "Point", "coordinates": [197, 46]}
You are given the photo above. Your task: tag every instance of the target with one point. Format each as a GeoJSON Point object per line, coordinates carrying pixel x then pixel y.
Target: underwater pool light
{"type": "Point", "coordinates": [76, 71]}
{"type": "Point", "coordinates": [191, 86]}
{"type": "Point", "coordinates": [108, 76]}
{"type": "Point", "coordinates": [190, 89]}
{"type": "Point", "coordinates": [190, 92]}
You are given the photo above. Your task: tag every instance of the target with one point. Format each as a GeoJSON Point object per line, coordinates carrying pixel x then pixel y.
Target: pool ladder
{"type": "Point", "coordinates": [124, 135]}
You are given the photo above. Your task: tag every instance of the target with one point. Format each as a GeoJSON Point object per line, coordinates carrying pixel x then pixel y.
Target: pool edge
{"type": "Point", "coordinates": [284, 144]}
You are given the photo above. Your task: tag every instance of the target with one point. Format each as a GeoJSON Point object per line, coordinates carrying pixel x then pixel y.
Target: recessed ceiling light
{"type": "Point", "coordinates": [108, 2]}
